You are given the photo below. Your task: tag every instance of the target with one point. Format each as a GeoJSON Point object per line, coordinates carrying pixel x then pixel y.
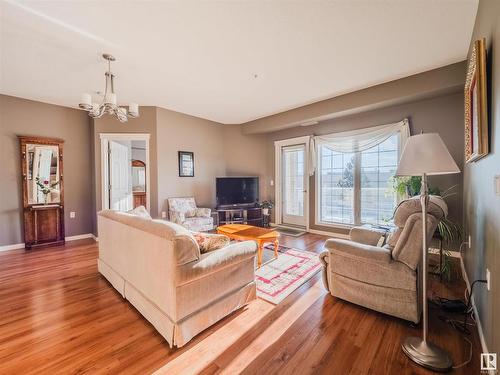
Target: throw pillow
{"type": "Point", "coordinates": [141, 212]}
{"type": "Point", "coordinates": [210, 242]}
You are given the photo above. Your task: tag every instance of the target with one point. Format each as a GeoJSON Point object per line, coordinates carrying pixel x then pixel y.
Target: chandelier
{"type": "Point", "coordinates": [108, 104]}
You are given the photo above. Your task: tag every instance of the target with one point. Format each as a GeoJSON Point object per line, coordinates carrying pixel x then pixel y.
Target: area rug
{"type": "Point", "coordinates": [278, 278]}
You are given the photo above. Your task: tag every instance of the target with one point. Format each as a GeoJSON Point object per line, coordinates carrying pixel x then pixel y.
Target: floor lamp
{"type": "Point", "coordinates": [426, 155]}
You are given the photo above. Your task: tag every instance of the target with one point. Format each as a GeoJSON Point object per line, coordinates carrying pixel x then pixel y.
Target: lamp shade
{"type": "Point", "coordinates": [426, 153]}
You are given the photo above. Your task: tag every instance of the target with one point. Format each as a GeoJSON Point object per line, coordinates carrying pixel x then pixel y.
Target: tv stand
{"type": "Point", "coordinates": [240, 215]}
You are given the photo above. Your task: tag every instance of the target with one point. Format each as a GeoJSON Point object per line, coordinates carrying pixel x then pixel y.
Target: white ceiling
{"type": "Point", "coordinates": [201, 58]}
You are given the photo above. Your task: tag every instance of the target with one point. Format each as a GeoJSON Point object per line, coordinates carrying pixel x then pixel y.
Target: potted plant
{"type": "Point", "coordinates": [266, 206]}
{"type": "Point", "coordinates": [45, 187]}
{"type": "Point", "coordinates": [449, 231]}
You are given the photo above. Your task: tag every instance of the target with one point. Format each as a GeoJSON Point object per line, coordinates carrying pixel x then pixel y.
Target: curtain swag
{"type": "Point", "coordinates": [357, 140]}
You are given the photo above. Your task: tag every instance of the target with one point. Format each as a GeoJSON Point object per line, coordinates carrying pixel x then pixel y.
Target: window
{"type": "Point", "coordinates": [354, 188]}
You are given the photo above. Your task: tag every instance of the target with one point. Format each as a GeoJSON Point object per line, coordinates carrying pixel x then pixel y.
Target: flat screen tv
{"type": "Point", "coordinates": [237, 191]}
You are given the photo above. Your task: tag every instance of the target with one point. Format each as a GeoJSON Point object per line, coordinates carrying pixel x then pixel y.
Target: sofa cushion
{"type": "Point", "coordinates": [214, 275]}
{"type": "Point", "coordinates": [209, 242]}
{"type": "Point", "coordinates": [187, 249]}
{"type": "Point", "coordinates": [141, 212]}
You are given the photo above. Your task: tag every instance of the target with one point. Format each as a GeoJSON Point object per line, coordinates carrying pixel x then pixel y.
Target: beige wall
{"type": "Point", "coordinates": [146, 123]}
{"type": "Point", "coordinates": [26, 117]}
{"type": "Point", "coordinates": [247, 155]}
{"type": "Point", "coordinates": [254, 154]}
{"type": "Point", "coordinates": [180, 132]}
{"type": "Point", "coordinates": [481, 205]}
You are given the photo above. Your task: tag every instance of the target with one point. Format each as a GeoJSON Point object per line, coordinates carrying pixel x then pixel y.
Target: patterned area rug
{"type": "Point", "coordinates": [278, 278]}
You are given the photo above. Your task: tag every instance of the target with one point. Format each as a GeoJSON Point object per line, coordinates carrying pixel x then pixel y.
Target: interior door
{"type": "Point", "coordinates": [120, 176]}
{"type": "Point", "coordinates": [293, 185]}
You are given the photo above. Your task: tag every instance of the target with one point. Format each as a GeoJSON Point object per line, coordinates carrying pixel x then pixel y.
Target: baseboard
{"type": "Point", "coordinates": [330, 234]}
{"type": "Point", "coordinates": [315, 231]}
{"type": "Point", "coordinates": [18, 246]}
{"type": "Point", "coordinates": [79, 237]}
{"type": "Point", "coordinates": [484, 346]}
{"type": "Point", "coordinates": [12, 247]}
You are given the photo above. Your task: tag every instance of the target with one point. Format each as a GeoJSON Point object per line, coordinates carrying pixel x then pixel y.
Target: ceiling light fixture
{"type": "Point", "coordinates": [108, 104]}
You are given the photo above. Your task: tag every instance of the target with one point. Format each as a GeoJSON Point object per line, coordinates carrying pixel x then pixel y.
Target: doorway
{"type": "Point", "coordinates": [292, 182]}
{"type": "Point", "coordinates": [125, 171]}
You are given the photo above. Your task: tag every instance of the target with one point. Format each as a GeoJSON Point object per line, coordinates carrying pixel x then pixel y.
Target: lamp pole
{"type": "Point", "coordinates": [419, 350]}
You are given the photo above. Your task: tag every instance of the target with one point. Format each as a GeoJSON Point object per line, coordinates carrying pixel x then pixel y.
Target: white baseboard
{"type": "Point", "coordinates": [18, 246]}
{"type": "Point", "coordinates": [330, 234]}
{"type": "Point", "coordinates": [12, 247]}
{"type": "Point", "coordinates": [315, 231]}
{"type": "Point", "coordinates": [79, 237]}
{"type": "Point", "coordinates": [484, 346]}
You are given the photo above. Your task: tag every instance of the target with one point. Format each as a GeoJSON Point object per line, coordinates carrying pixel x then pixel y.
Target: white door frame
{"type": "Point", "coordinates": [278, 145]}
{"type": "Point", "coordinates": [105, 138]}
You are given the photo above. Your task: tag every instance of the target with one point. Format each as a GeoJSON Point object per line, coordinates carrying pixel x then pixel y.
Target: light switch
{"type": "Point", "coordinates": [497, 185]}
{"type": "Point", "coordinates": [271, 183]}
{"type": "Point", "coordinates": [72, 214]}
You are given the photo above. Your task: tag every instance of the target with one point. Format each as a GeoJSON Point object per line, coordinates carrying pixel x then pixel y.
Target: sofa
{"type": "Point", "coordinates": [158, 267]}
{"type": "Point", "coordinates": [184, 211]}
{"type": "Point", "coordinates": [383, 277]}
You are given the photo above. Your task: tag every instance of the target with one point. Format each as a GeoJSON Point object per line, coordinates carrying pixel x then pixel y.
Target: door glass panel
{"type": "Point", "coordinates": [293, 180]}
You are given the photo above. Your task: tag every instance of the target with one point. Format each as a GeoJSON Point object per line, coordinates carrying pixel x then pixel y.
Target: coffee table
{"type": "Point", "coordinates": [243, 232]}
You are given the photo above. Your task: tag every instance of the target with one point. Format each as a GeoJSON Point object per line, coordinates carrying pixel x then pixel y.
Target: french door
{"type": "Point", "coordinates": [292, 177]}
{"type": "Point", "coordinates": [120, 176]}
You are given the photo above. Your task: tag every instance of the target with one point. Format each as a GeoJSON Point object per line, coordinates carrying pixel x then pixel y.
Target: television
{"type": "Point", "coordinates": [237, 191]}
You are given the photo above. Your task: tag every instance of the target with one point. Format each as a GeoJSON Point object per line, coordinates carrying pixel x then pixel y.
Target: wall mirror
{"type": "Point", "coordinates": [43, 191]}
{"type": "Point", "coordinates": [42, 167]}
{"type": "Point", "coordinates": [138, 176]}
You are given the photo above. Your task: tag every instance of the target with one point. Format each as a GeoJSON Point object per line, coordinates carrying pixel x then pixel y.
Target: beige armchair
{"type": "Point", "coordinates": [183, 211]}
{"type": "Point", "coordinates": [383, 278]}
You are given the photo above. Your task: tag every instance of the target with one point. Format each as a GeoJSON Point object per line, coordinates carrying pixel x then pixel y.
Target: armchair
{"type": "Point", "coordinates": [383, 278]}
{"type": "Point", "coordinates": [183, 211]}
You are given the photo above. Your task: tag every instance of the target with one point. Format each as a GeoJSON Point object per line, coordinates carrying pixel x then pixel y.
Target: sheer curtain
{"type": "Point", "coordinates": [357, 140]}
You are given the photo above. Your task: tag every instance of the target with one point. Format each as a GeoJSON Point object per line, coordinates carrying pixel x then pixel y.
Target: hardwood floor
{"type": "Point", "coordinates": [59, 316]}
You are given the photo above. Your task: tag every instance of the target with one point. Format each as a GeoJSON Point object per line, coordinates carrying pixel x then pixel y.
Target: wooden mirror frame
{"type": "Point", "coordinates": [43, 223]}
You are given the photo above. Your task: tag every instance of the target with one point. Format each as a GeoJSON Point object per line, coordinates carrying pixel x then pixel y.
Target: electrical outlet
{"type": "Point", "coordinates": [488, 279]}
{"type": "Point", "coordinates": [163, 215]}
{"type": "Point", "coordinates": [72, 214]}
{"type": "Point", "coordinates": [271, 183]}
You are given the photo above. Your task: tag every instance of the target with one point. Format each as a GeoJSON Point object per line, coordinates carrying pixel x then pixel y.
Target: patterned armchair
{"type": "Point", "coordinates": [183, 211]}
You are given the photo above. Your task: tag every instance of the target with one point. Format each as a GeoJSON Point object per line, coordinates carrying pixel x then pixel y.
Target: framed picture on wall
{"type": "Point", "coordinates": [186, 164]}
{"type": "Point", "coordinates": [476, 107]}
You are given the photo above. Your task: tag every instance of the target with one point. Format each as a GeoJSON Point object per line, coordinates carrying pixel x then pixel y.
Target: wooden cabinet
{"type": "Point", "coordinates": [139, 198]}
{"type": "Point", "coordinates": [43, 191]}
{"type": "Point", "coordinates": [248, 215]}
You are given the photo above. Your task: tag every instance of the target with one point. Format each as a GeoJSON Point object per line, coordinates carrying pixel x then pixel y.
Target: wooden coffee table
{"type": "Point", "coordinates": [242, 232]}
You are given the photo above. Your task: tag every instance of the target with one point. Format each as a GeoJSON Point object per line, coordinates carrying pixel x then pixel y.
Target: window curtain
{"type": "Point", "coordinates": [357, 140]}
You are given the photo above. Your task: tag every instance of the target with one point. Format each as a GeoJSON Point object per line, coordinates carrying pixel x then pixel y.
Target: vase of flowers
{"type": "Point", "coordinates": [45, 187]}
{"type": "Point", "coordinates": [266, 206]}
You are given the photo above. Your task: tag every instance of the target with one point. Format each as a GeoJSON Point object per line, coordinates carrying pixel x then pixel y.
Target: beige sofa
{"type": "Point", "coordinates": [383, 278]}
{"type": "Point", "coordinates": [157, 266]}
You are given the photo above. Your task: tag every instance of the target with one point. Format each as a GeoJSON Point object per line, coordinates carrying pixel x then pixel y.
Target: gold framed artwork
{"type": "Point", "coordinates": [476, 107]}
